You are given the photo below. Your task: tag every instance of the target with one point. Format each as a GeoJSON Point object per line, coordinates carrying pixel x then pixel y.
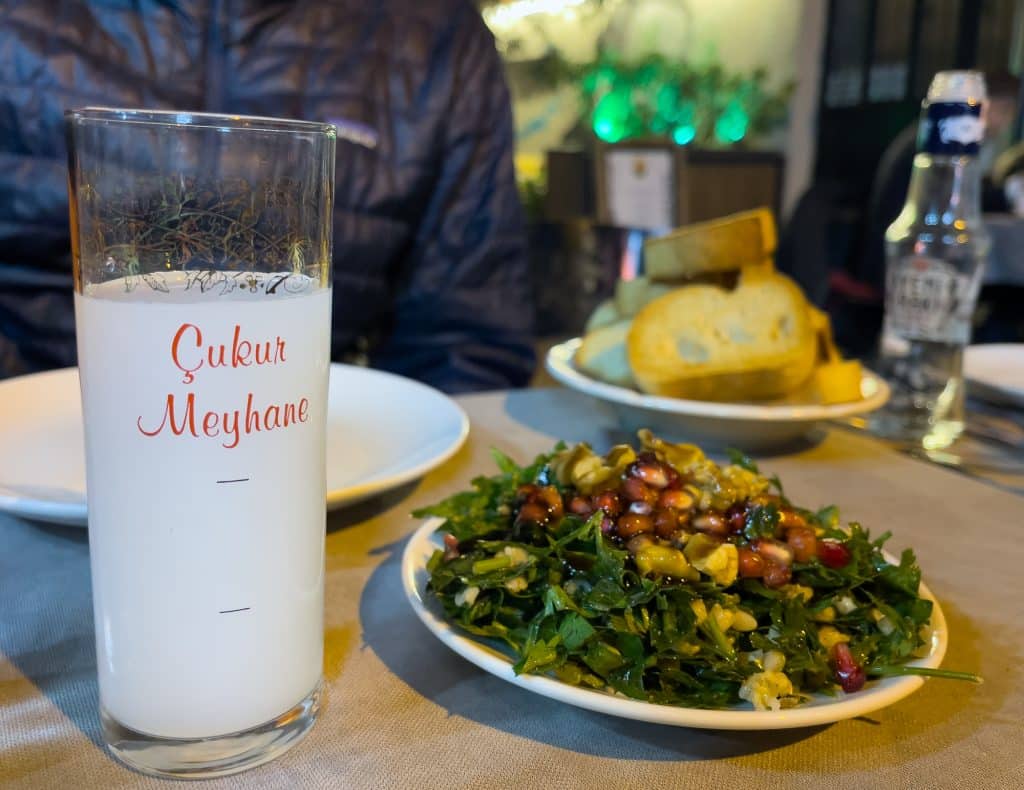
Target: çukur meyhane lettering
{"type": "Point", "coordinates": [183, 417]}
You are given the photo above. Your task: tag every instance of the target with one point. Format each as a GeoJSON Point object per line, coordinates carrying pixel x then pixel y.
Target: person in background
{"type": "Point", "coordinates": [430, 268]}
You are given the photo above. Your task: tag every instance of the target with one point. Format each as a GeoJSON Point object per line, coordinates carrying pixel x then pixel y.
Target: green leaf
{"type": "Point", "coordinates": [905, 577]}
{"type": "Point", "coordinates": [605, 596]}
{"type": "Point", "coordinates": [611, 562]}
{"type": "Point", "coordinates": [827, 517]}
{"type": "Point", "coordinates": [504, 463]}
{"type": "Point", "coordinates": [632, 647]}
{"type": "Point", "coordinates": [540, 655]}
{"type": "Point", "coordinates": [762, 521]}
{"type": "Point", "coordinates": [603, 658]}
{"type": "Point", "coordinates": [575, 631]}
{"type": "Point", "coordinates": [556, 599]}
{"type": "Point", "coordinates": [740, 458]}
{"type": "Point", "coordinates": [948, 674]}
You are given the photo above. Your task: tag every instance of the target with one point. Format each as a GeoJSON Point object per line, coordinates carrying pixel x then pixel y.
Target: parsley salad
{"type": "Point", "coordinates": [663, 576]}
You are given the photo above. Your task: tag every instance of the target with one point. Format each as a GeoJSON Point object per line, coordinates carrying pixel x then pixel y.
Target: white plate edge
{"type": "Point", "coordinates": [1000, 390]}
{"type": "Point", "coordinates": [558, 363]}
{"type": "Point", "coordinates": [351, 495]}
{"type": "Point", "coordinates": [75, 514]}
{"type": "Point", "coordinates": [880, 696]}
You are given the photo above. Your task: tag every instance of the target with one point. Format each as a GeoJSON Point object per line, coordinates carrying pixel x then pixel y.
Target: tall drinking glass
{"type": "Point", "coordinates": [202, 257]}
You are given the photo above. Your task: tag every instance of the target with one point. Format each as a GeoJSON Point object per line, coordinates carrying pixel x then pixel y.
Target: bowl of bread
{"type": "Point", "coordinates": [712, 344]}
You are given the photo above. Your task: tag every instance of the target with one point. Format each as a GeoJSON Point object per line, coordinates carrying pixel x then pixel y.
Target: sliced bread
{"type": "Point", "coordinates": [602, 355]}
{"type": "Point", "coordinates": [727, 244]}
{"type": "Point", "coordinates": [631, 296]}
{"type": "Point", "coordinates": [605, 314]}
{"type": "Point", "coordinates": [703, 342]}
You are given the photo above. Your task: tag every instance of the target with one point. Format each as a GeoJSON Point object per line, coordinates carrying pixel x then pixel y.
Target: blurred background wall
{"type": "Point", "coordinates": [787, 103]}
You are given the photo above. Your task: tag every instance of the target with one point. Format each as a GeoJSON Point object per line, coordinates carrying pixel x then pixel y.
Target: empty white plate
{"type": "Point", "coordinates": [382, 431]}
{"type": "Point", "coordinates": [995, 371]}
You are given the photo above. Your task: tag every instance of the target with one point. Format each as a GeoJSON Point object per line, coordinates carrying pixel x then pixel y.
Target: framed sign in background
{"type": "Point", "coordinates": [639, 185]}
{"type": "Point", "coordinates": [660, 186]}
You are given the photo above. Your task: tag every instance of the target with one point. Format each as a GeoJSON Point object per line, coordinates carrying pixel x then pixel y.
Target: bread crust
{"type": "Point", "coordinates": [706, 343]}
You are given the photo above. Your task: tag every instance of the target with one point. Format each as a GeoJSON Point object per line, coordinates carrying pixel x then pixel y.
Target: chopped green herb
{"type": "Point", "coordinates": [741, 459]}
{"type": "Point", "coordinates": [697, 619]}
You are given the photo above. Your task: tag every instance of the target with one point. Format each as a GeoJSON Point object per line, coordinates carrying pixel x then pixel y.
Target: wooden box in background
{"type": "Point", "coordinates": [724, 182]}
{"type": "Point", "coordinates": [700, 185]}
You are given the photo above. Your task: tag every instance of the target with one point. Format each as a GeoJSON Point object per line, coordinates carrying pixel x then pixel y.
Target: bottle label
{"type": "Point", "coordinates": [951, 128]}
{"type": "Point", "coordinates": [927, 299]}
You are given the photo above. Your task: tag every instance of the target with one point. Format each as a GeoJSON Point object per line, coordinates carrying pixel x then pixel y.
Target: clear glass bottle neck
{"type": "Point", "coordinates": [945, 188]}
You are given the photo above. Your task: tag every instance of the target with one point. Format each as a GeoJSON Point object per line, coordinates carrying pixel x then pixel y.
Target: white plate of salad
{"type": "Point", "coordinates": [654, 584]}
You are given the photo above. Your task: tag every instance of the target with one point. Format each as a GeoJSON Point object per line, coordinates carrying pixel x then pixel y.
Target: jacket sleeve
{"type": "Point", "coordinates": [463, 311]}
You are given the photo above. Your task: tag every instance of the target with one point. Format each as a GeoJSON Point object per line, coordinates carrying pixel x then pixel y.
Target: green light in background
{"type": "Point", "coordinates": [666, 98]}
{"type": "Point", "coordinates": [611, 116]}
{"type": "Point", "coordinates": [701, 104]}
{"type": "Point", "coordinates": [682, 135]}
{"type": "Point", "coordinates": [608, 130]}
{"type": "Point", "coordinates": [666, 108]}
{"type": "Point", "coordinates": [731, 125]}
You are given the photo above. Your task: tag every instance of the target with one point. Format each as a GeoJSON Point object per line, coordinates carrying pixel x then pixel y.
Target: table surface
{"type": "Point", "coordinates": [403, 711]}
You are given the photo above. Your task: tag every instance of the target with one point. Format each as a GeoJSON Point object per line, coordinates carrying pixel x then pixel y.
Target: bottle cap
{"type": "Point", "coordinates": [958, 86]}
{"type": "Point", "coordinates": [952, 122]}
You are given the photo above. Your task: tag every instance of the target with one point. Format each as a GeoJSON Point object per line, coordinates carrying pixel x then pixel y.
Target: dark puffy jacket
{"type": "Point", "coordinates": [430, 276]}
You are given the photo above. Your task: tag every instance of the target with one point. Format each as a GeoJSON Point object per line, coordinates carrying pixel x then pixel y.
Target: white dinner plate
{"type": "Point", "coordinates": [995, 371]}
{"type": "Point", "coordinates": [382, 431]}
{"type": "Point", "coordinates": [821, 709]}
{"type": "Point", "coordinates": [747, 426]}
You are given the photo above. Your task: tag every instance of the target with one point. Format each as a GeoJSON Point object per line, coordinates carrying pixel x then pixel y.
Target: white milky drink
{"type": "Point", "coordinates": [204, 400]}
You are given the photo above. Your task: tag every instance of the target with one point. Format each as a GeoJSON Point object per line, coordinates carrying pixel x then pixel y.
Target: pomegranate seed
{"type": "Point", "coordinates": [532, 513]}
{"type": "Point", "coordinates": [736, 517]}
{"type": "Point", "coordinates": [451, 547]}
{"type": "Point", "coordinates": [550, 497]}
{"type": "Point", "coordinates": [609, 502]}
{"type": "Point", "coordinates": [712, 523]}
{"type": "Point", "coordinates": [674, 498]}
{"type": "Point", "coordinates": [790, 519]}
{"type": "Point", "coordinates": [526, 491]}
{"type": "Point", "coordinates": [635, 490]}
{"type": "Point", "coordinates": [651, 472]}
{"type": "Point", "coordinates": [849, 673]}
{"type": "Point", "coordinates": [643, 508]}
{"type": "Point", "coordinates": [633, 524]}
{"type": "Point", "coordinates": [803, 542]}
{"type": "Point", "coordinates": [666, 523]}
{"type": "Point", "coordinates": [833, 554]}
{"type": "Point", "coordinates": [580, 506]}
{"type": "Point", "coordinates": [776, 575]}
{"type": "Point", "coordinates": [751, 563]}
{"type": "Point", "coordinates": [773, 551]}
